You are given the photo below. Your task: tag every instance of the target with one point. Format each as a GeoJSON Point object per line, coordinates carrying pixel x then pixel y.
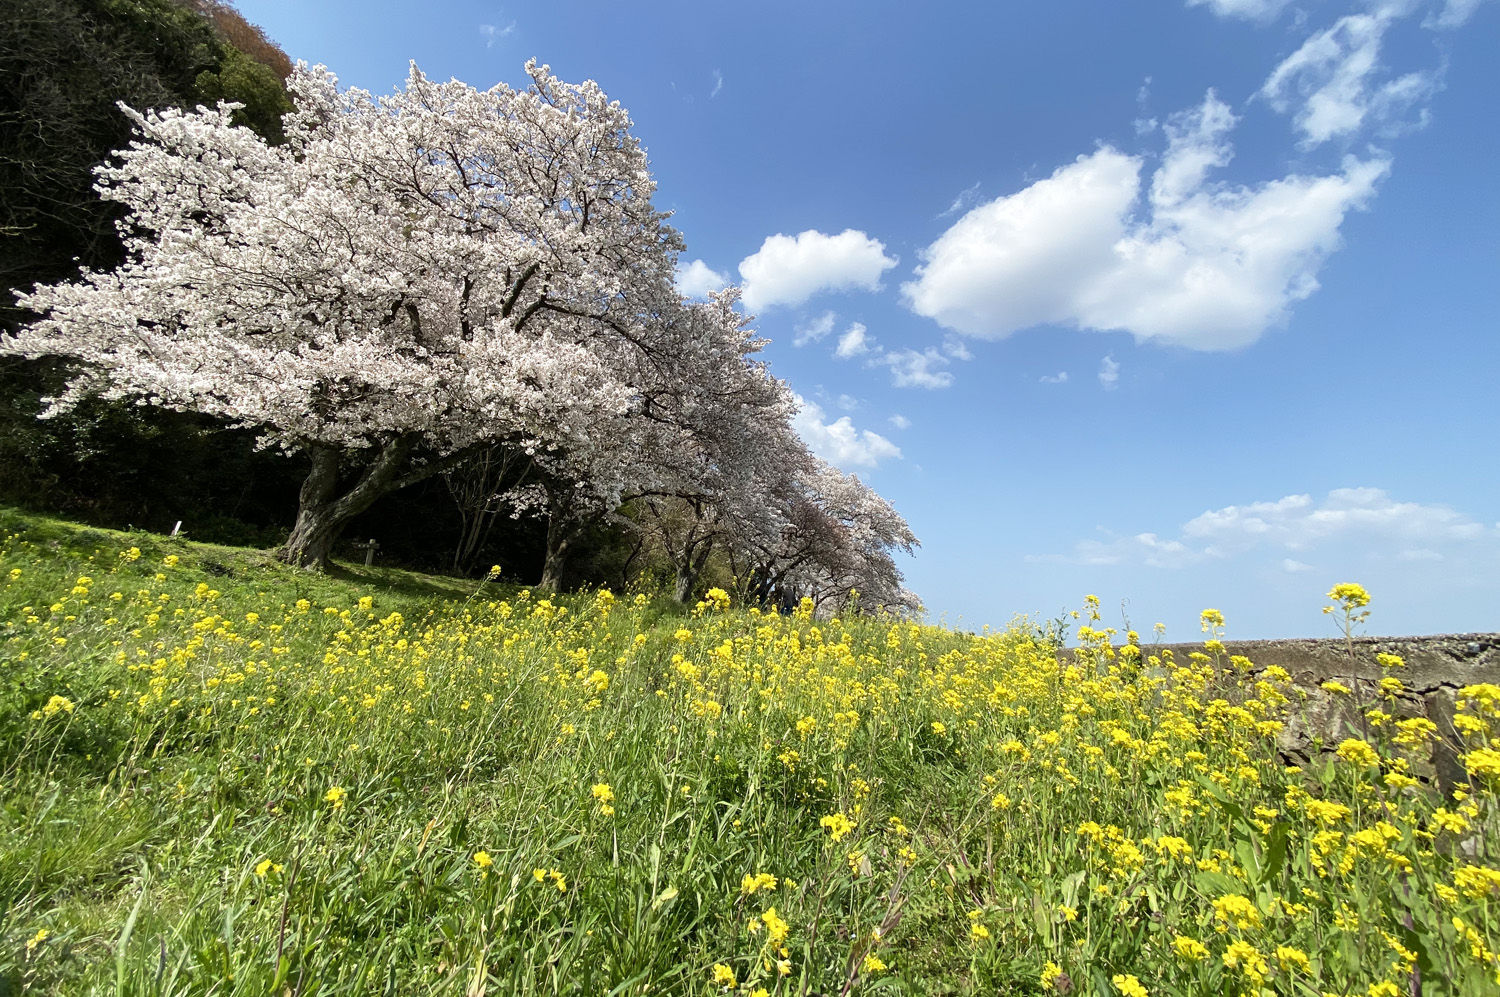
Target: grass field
{"type": "Point", "coordinates": [221, 776]}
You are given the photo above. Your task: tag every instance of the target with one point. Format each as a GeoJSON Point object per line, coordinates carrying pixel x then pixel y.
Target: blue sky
{"type": "Point", "coordinates": [1184, 304]}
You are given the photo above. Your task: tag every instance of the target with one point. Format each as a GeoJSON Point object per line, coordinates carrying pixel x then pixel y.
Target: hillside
{"type": "Point", "coordinates": [222, 775]}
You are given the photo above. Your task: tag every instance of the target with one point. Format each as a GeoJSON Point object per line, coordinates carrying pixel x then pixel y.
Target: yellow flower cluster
{"type": "Point", "coordinates": [943, 764]}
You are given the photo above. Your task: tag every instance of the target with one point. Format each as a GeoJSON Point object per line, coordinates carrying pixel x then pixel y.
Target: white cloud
{"type": "Point", "coordinates": [1455, 14]}
{"type": "Point", "coordinates": [1296, 522]}
{"type": "Point", "coordinates": [787, 270]}
{"type": "Point", "coordinates": [847, 402]}
{"type": "Point", "coordinates": [956, 348]}
{"type": "Point", "coordinates": [1144, 125]}
{"type": "Point", "coordinates": [963, 201]}
{"type": "Point", "coordinates": [813, 330]}
{"type": "Point", "coordinates": [1061, 377]}
{"type": "Point", "coordinates": [900, 421]}
{"type": "Point", "coordinates": [718, 85]}
{"type": "Point", "coordinates": [852, 343]}
{"type": "Point", "coordinates": [1364, 520]}
{"type": "Point", "coordinates": [1109, 373]}
{"type": "Point", "coordinates": [1327, 82]}
{"type": "Point", "coordinates": [838, 442]}
{"type": "Point", "coordinates": [913, 369]}
{"type": "Point", "coordinates": [1143, 548]}
{"type": "Point", "coordinates": [1195, 263]}
{"type": "Point", "coordinates": [1010, 263]}
{"type": "Point", "coordinates": [697, 279]}
{"type": "Point", "coordinates": [491, 32]}
{"type": "Point", "coordinates": [1249, 10]}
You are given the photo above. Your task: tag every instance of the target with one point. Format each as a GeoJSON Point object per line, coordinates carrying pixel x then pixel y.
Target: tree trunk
{"type": "Point", "coordinates": [687, 580]}
{"type": "Point", "coordinates": [560, 532]}
{"type": "Point", "coordinates": [322, 513]}
{"type": "Point", "coordinates": [688, 570]}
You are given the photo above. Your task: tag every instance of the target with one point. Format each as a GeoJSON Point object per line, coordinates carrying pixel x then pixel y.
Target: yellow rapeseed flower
{"type": "Point", "coordinates": [1237, 911]}
{"type": "Point", "coordinates": [1357, 752]}
{"type": "Point", "coordinates": [1189, 948]}
{"type": "Point", "coordinates": [1247, 959]}
{"type": "Point", "coordinates": [776, 929]}
{"type": "Point", "coordinates": [760, 881]}
{"type": "Point", "coordinates": [1128, 985]}
{"type": "Point", "coordinates": [1483, 762]}
{"type": "Point", "coordinates": [1326, 812]}
{"type": "Point", "coordinates": [56, 705]}
{"type": "Point", "coordinates": [1476, 881]}
{"type": "Point", "coordinates": [837, 825]}
{"type": "Point", "coordinates": [1349, 595]}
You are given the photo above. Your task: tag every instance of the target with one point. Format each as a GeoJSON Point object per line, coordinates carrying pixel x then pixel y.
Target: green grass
{"type": "Point", "coordinates": [220, 775]}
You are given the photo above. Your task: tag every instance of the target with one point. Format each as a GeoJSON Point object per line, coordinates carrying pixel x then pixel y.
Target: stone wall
{"type": "Point", "coordinates": [1436, 668]}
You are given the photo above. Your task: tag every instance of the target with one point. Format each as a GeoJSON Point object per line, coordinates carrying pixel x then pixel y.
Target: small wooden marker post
{"type": "Point", "coordinates": [370, 546]}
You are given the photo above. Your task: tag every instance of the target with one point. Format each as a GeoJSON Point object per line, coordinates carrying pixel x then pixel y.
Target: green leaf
{"type": "Point", "coordinates": [1275, 856]}
{"type": "Point", "coordinates": [1215, 884]}
{"type": "Point", "coordinates": [1070, 885]}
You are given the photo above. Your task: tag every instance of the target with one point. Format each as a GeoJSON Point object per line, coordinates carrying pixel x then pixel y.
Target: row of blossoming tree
{"type": "Point", "coordinates": [416, 283]}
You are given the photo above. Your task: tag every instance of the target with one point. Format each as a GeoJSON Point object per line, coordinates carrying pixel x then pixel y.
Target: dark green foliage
{"type": "Point", "coordinates": [65, 65]}
{"type": "Point", "coordinates": [241, 79]}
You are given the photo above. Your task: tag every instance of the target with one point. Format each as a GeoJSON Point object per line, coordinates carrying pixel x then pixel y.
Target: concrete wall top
{"type": "Point", "coordinates": [1441, 660]}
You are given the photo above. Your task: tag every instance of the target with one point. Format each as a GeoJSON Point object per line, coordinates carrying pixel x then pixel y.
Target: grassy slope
{"type": "Point", "coordinates": [220, 775]}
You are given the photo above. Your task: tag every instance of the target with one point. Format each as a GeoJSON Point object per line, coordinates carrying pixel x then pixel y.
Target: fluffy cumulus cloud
{"type": "Point", "coordinates": [852, 343]}
{"type": "Point", "coordinates": [1377, 524]}
{"type": "Point", "coordinates": [900, 421]}
{"type": "Point", "coordinates": [1182, 260]}
{"type": "Point", "coordinates": [787, 270]}
{"type": "Point", "coordinates": [697, 279]}
{"type": "Point", "coordinates": [1330, 84]}
{"type": "Point", "coordinates": [838, 442]}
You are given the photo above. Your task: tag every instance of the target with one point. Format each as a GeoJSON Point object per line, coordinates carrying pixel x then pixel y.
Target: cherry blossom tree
{"type": "Point", "coordinates": [716, 481]}
{"type": "Point", "coordinates": [408, 279]}
{"type": "Point", "coordinates": [836, 536]}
